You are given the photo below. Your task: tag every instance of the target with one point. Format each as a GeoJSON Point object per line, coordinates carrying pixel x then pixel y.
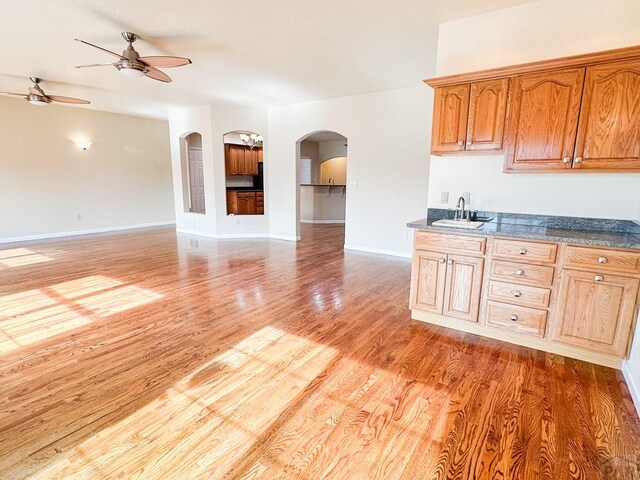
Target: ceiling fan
{"type": "Point", "coordinates": [131, 64]}
{"type": "Point", "coordinates": [36, 95]}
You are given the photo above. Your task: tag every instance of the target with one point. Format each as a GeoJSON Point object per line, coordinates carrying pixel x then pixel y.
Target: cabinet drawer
{"type": "Point", "coordinates": [523, 251]}
{"type": "Point", "coordinates": [603, 259]}
{"type": "Point", "coordinates": [442, 242]}
{"type": "Point", "coordinates": [519, 294]}
{"type": "Point", "coordinates": [520, 319]}
{"type": "Point", "coordinates": [520, 273]}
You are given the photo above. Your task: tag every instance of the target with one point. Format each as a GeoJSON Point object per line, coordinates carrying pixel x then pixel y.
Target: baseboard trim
{"type": "Point", "coordinates": [74, 233]}
{"type": "Point", "coordinates": [378, 251]}
{"type": "Point", "coordinates": [631, 385]}
{"type": "Point", "coordinates": [237, 236]}
{"type": "Point", "coordinates": [322, 221]}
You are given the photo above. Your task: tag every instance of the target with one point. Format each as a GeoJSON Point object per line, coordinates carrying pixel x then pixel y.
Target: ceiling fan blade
{"type": "Point", "coordinates": [96, 65]}
{"type": "Point", "coordinates": [59, 99]}
{"type": "Point", "coordinates": [14, 94]}
{"type": "Point", "coordinates": [157, 75]}
{"type": "Point", "coordinates": [165, 61]}
{"type": "Point", "coordinates": [100, 48]}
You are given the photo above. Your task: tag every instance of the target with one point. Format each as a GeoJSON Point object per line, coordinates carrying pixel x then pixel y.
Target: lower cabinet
{"type": "Point", "coordinates": [574, 300]}
{"type": "Point", "coordinates": [596, 311]}
{"type": "Point", "coordinates": [245, 203]}
{"type": "Point", "coordinates": [447, 284]}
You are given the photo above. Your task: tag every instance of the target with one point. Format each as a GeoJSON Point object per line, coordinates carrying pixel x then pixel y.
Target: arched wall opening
{"type": "Point", "coordinates": [322, 178]}
{"type": "Point", "coordinates": [192, 166]}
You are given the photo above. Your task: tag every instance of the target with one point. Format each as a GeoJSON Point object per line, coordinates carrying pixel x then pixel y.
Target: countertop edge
{"type": "Point", "coordinates": [635, 244]}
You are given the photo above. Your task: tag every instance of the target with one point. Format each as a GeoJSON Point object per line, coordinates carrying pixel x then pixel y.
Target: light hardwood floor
{"type": "Point", "coordinates": [151, 355]}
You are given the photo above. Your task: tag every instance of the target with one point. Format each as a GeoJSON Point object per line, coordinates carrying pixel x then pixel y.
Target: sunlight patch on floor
{"type": "Point", "coordinates": [211, 418]}
{"type": "Point", "coordinates": [34, 315]}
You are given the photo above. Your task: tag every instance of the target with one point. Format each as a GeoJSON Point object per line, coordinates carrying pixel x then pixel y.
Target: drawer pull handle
{"type": "Point", "coordinates": [598, 278]}
{"type": "Point", "coordinates": [450, 262]}
{"type": "Point", "coordinates": [517, 293]}
{"type": "Point", "coordinates": [443, 260]}
{"type": "Point", "coordinates": [461, 142]}
{"type": "Point", "coordinates": [602, 260]}
{"type": "Point", "coordinates": [514, 318]}
{"type": "Point", "coordinates": [520, 273]}
{"type": "Point", "coordinates": [523, 251]}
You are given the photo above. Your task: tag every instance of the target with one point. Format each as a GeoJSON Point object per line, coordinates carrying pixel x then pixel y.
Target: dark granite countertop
{"type": "Point", "coordinates": [322, 185]}
{"type": "Point", "coordinates": [590, 231]}
{"type": "Point", "coordinates": [245, 189]}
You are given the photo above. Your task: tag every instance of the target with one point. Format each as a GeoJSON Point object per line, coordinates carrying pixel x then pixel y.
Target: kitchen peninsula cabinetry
{"type": "Point", "coordinates": [575, 300]}
{"type": "Point", "coordinates": [570, 114]}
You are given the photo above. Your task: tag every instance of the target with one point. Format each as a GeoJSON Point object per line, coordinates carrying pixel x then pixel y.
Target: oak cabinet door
{"type": "Point", "coordinates": [450, 113]}
{"type": "Point", "coordinates": [234, 159]}
{"type": "Point", "coordinates": [543, 120]}
{"type": "Point", "coordinates": [609, 128]}
{"type": "Point", "coordinates": [596, 311]}
{"type": "Point", "coordinates": [427, 282]}
{"type": "Point", "coordinates": [487, 113]}
{"type": "Point", "coordinates": [462, 287]}
{"type": "Point", "coordinates": [251, 161]}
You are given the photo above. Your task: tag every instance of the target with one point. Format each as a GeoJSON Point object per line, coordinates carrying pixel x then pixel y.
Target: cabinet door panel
{"type": "Point", "coordinates": [543, 120]}
{"type": "Point", "coordinates": [451, 107]}
{"type": "Point", "coordinates": [609, 130]}
{"type": "Point", "coordinates": [596, 311]}
{"type": "Point", "coordinates": [234, 159]}
{"type": "Point", "coordinates": [251, 161]}
{"type": "Point", "coordinates": [427, 282]}
{"type": "Point", "coordinates": [462, 287]}
{"type": "Point", "coordinates": [487, 112]}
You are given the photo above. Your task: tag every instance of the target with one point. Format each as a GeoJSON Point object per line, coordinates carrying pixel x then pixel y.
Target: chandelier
{"type": "Point", "coordinates": [251, 139]}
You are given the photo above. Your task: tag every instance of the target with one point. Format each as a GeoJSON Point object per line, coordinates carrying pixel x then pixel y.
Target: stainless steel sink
{"type": "Point", "coordinates": [457, 224]}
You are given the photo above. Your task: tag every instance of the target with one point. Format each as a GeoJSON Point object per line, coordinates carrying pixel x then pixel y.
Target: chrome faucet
{"type": "Point", "coordinates": [460, 210]}
{"type": "Point", "coordinates": [331, 181]}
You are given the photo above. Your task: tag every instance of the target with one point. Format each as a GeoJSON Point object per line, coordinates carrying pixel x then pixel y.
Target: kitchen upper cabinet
{"type": "Point", "coordinates": [234, 159]}
{"type": "Point", "coordinates": [596, 311]}
{"type": "Point", "coordinates": [543, 120]}
{"type": "Point", "coordinates": [462, 287]}
{"type": "Point", "coordinates": [609, 128]}
{"type": "Point", "coordinates": [429, 272]}
{"type": "Point", "coordinates": [450, 113]}
{"type": "Point", "coordinates": [251, 161]}
{"type": "Point", "coordinates": [487, 115]}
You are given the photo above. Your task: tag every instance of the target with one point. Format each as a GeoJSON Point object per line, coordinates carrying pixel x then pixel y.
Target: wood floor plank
{"type": "Point", "coordinates": [152, 355]}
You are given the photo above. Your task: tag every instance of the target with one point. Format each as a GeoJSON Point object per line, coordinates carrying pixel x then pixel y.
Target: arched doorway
{"type": "Point", "coordinates": [322, 180]}
{"type": "Point", "coordinates": [193, 189]}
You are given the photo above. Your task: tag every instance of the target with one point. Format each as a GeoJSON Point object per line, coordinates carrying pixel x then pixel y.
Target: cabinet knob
{"type": "Point", "coordinates": [443, 260]}
{"type": "Point", "coordinates": [523, 251]}
{"type": "Point", "coordinates": [578, 160]}
{"type": "Point", "coordinates": [598, 278]}
{"type": "Point", "coordinates": [460, 142]}
{"type": "Point", "coordinates": [566, 160]}
{"type": "Point", "coordinates": [517, 293]}
{"type": "Point", "coordinates": [449, 262]}
{"type": "Point", "coordinates": [519, 273]}
{"type": "Point", "coordinates": [514, 318]}
{"type": "Point", "coordinates": [602, 260]}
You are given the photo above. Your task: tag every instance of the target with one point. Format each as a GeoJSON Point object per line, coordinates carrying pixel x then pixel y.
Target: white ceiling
{"type": "Point", "coordinates": [248, 52]}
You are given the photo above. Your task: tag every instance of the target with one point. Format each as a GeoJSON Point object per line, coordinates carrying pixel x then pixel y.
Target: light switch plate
{"type": "Point", "coordinates": [467, 197]}
{"type": "Point", "coordinates": [444, 197]}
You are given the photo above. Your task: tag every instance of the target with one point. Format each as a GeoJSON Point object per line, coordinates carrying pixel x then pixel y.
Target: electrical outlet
{"type": "Point", "coordinates": [467, 197]}
{"type": "Point", "coordinates": [404, 233]}
{"type": "Point", "coordinates": [444, 197]}
{"type": "Point", "coordinates": [78, 217]}
{"type": "Point", "coordinates": [354, 184]}
{"type": "Point", "coordinates": [237, 221]}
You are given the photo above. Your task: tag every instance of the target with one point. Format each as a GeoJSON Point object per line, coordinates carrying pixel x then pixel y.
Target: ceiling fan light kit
{"type": "Point", "coordinates": [131, 64]}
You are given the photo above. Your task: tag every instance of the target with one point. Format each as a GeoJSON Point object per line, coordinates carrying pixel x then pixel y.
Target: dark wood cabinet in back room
{"type": "Point", "coordinates": [241, 160]}
{"type": "Point", "coordinates": [579, 113]}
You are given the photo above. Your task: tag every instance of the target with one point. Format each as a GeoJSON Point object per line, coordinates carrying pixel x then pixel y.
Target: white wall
{"type": "Point", "coordinates": [535, 31]}
{"type": "Point", "coordinates": [337, 148]}
{"type": "Point", "coordinates": [387, 133]}
{"type": "Point", "coordinates": [213, 122]}
{"type": "Point", "coordinates": [124, 179]}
